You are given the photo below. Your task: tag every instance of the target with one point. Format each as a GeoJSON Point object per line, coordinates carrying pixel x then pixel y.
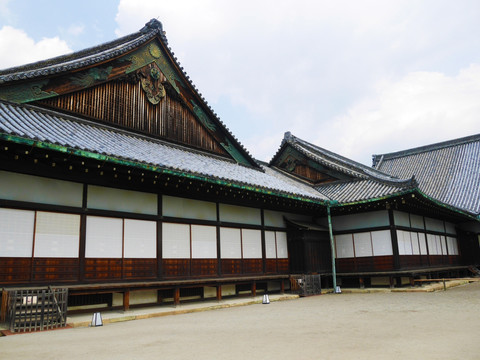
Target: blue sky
{"type": "Point", "coordinates": [354, 77]}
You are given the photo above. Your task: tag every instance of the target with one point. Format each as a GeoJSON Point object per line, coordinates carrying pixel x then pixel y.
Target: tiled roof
{"type": "Point", "coordinates": [340, 163]}
{"type": "Point", "coordinates": [351, 191]}
{"type": "Point", "coordinates": [367, 183]}
{"type": "Point", "coordinates": [447, 171]}
{"type": "Point", "coordinates": [38, 124]}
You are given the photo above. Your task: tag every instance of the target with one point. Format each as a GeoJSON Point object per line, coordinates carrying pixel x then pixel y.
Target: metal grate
{"type": "Point", "coordinates": [306, 285]}
{"type": "Point", "coordinates": [37, 309]}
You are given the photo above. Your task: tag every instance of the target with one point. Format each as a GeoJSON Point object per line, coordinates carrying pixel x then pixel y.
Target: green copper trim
{"type": "Point", "coordinates": [204, 119]}
{"type": "Point", "coordinates": [31, 91]}
{"type": "Point", "coordinates": [111, 159]}
{"type": "Point", "coordinates": [233, 151]}
{"type": "Point", "coordinates": [90, 77]}
{"type": "Point", "coordinates": [413, 191]}
{"type": "Point", "coordinates": [152, 53]}
{"type": "Point", "coordinates": [26, 92]}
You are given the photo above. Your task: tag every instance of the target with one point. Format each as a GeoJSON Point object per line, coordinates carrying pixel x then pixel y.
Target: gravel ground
{"type": "Point", "coordinates": [438, 325]}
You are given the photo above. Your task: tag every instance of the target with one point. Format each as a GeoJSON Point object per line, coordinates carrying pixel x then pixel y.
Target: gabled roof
{"type": "Point", "coordinates": [447, 171]}
{"type": "Point", "coordinates": [356, 182]}
{"type": "Point", "coordinates": [93, 66]}
{"type": "Point", "coordinates": [336, 162]}
{"type": "Point", "coordinates": [26, 124]}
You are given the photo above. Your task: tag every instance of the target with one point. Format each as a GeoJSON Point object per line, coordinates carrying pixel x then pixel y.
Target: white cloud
{"type": "Point", "coordinates": [317, 68]}
{"type": "Point", "coordinates": [404, 113]}
{"type": "Point", "coordinates": [22, 49]}
{"type": "Point", "coordinates": [76, 29]}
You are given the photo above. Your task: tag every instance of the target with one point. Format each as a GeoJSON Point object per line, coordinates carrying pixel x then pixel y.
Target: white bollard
{"type": "Point", "coordinates": [266, 299]}
{"type": "Point", "coordinates": [97, 319]}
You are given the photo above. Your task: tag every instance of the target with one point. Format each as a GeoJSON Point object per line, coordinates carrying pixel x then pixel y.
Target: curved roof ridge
{"type": "Point", "coordinates": [85, 57]}
{"type": "Point", "coordinates": [425, 148]}
{"type": "Point", "coordinates": [342, 163]}
{"type": "Point", "coordinates": [407, 183]}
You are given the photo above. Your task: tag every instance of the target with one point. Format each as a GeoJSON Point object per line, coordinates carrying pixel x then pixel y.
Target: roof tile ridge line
{"type": "Point", "coordinates": [207, 106]}
{"type": "Point", "coordinates": [350, 162]}
{"type": "Point", "coordinates": [366, 171]}
{"type": "Point", "coordinates": [305, 182]}
{"type": "Point", "coordinates": [121, 131]}
{"type": "Point", "coordinates": [340, 182]}
{"type": "Point", "coordinates": [60, 60]}
{"type": "Point", "coordinates": [330, 163]}
{"type": "Point", "coordinates": [385, 197]}
{"type": "Point", "coordinates": [405, 183]}
{"type": "Point", "coordinates": [279, 150]}
{"type": "Point", "coordinates": [430, 147]}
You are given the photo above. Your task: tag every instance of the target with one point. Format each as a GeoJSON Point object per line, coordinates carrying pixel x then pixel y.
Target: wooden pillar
{"type": "Point", "coordinates": [176, 296]}
{"type": "Point", "coordinates": [126, 300]}
{"type": "Point", "coordinates": [282, 286]}
{"type": "Point", "coordinates": [219, 254]}
{"type": "Point", "coordinates": [264, 256]}
{"type": "Point", "coordinates": [362, 282]}
{"type": "Point", "coordinates": [219, 292]}
{"type": "Point", "coordinates": [4, 307]}
{"type": "Point", "coordinates": [254, 288]}
{"type": "Point", "coordinates": [159, 297]}
{"type": "Point", "coordinates": [412, 281]}
{"type": "Point", "coordinates": [393, 234]}
{"type": "Point", "coordinates": [83, 235]}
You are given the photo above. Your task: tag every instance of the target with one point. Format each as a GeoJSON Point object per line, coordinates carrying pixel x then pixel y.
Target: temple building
{"type": "Point", "coordinates": [119, 182]}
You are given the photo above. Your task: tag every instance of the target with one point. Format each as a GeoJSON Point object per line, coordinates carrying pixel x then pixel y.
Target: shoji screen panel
{"type": "Point", "coordinates": [175, 241]}
{"type": "Point", "coordinates": [188, 208]}
{"type": "Point", "coordinates": [140, 239]}
{"type": "Point", "coordinates": [251, 244]}
{"type": "Point", "coordinates": [230, 243]}
{"type": "Point", "coordinates": [104, 237]}
{"type": "Point", "coordinates": [100, 197]}
{"type": "Point", "coordinates": [57, 235]}
{"type": "Point", "coordinates": [382, 243]}
{"type": "Point", "coordinates": [16, 232]}
{"type": "Point", "coordinates": [204, 242]}
{"type": "Point", "coordinates": [38, 189]}
{"type": "Point", "coordinates": [344, 246]}
{"type": "Point", "coordinates": [363, 244]}
{"type": "Point", "coordinates": [423, 243]}
{"type": "Point", "coordinates": [270, 245]}
{"type": "Point", "coordinates": [240, 214]}
{"type": "Point", "coordinates": [452, 246]}
{"type": "Point", "coordinates": [282, 248]}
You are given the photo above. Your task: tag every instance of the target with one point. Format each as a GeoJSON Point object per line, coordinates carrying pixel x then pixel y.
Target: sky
{"type": "Point", "coordinates": [355, 77]}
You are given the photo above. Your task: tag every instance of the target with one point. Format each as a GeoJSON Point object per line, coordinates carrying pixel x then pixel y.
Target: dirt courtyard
{"type": "Point", "coordinates": [439, 325]}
